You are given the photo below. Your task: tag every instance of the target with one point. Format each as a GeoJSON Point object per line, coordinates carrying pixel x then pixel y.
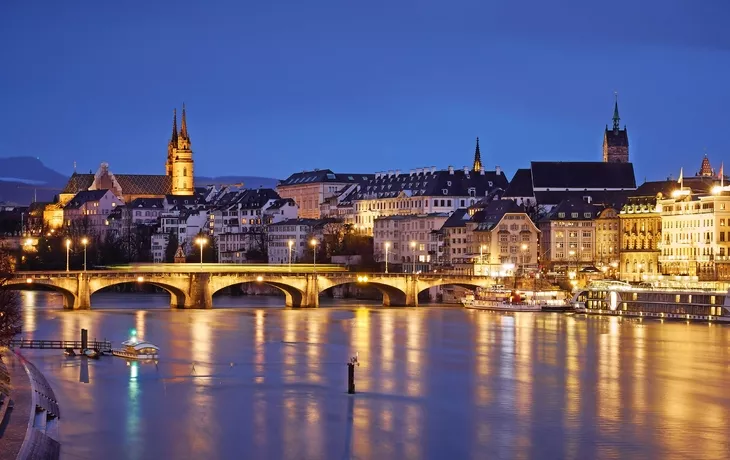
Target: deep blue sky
{"type": "Point", "coordinates": [274, 87]}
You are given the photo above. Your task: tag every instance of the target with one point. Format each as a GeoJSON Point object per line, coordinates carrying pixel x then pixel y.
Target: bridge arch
{"type": "Point", "coordinates": [178, 296]}
{"type": "Point", "coordinates": [293, 295]}
{"type": "Point", "coordinates": [391, 295]}
{"type": "Point", "coordinates": [69, 298]}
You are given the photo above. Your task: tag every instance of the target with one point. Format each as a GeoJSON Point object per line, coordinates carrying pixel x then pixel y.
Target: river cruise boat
{"type": "Point", "coordinates": [498, 300]}
{"type": "Point", "coordinates": [136, 349]}
{"type": "Point", "coordinates": [699, 303]}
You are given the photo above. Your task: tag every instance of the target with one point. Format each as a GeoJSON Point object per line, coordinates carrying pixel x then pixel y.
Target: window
{"type": "Point", "coordinates": [561, 215]}
{"type": "Point", "coordinates": [574, 215]}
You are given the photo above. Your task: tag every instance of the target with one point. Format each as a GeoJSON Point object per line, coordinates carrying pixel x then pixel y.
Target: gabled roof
{"type": "Point", "coordinates": [84, 197]}
{"type": "Point", "coordinates": [521, 184]}
{"type": "Point", "coordinates": [323, 175]}
{"type": "Point", "coordinates": [281, 202]}
{"type": "Point", "coordinates": [458, 219]}
{"type": "Point", "coordinates": [559, 175]}
{"type": "Point", "coordinates": [149, 203]}
{"type": "Point", "coordinates": [493, 213]}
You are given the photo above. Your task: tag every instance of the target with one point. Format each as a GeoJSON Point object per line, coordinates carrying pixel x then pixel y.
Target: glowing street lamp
{"type": "Point", "coordinates": [413, 246]}
{"type": "Point", "coordinates": [291, 246]}
{"type": "Point", "coordinates": [314, 244]}
{"type": "Point", "coordinates": [387, 247]}
{"type": "Point", "coordinates": [85, 242]}
{"type": "Point", "coordinates": [524, 249]}
{"type": "Point", "coordinates": [201, 241]}
{"type": "Point", "coordinates": [68, 252]}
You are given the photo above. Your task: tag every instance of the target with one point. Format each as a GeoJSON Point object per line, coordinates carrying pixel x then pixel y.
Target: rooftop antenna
{"type": "Point", "coordinates": [74, 167]}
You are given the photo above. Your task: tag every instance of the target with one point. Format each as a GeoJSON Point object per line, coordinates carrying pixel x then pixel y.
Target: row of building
{"type": "Point", "coordinates": [557, 216]}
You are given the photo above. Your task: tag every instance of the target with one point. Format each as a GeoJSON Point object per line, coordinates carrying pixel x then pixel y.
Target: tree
{"type": "Point", "coordinates": [10, 316]}
{"type": "Point", "coordinates": [172, 244]}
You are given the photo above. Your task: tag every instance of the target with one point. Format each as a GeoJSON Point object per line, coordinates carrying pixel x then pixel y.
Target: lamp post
{"type": "Point", "coordinates": [387, 247]}
{"type": "Point", "coordinates": [291, 246]}
{"type": "Point", "coordinates": [201, 242]}
{"type": "Point", "coordinates": [85, 242]}
{"type": "Point", "coordinates": [68, 251]}
{"type": "Point", "coordinates": [314, 243]}
{"type": "Point", "coordinates": [413, 246]}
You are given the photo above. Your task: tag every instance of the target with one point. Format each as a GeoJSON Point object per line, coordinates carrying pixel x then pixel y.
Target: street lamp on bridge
{"type": "Point", "coordinates": [201, 241]}
{"type": "Point", "coordinates": [387, 247]}
{"type": "Point", "coordinates": [68, 252]}
{"type": "Point", "coordinates": [85, 242]}
{"type": "Point", "coordinates": [314, 243]}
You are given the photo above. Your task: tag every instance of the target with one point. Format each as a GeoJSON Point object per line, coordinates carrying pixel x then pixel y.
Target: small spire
{"type": "Point", "coordinates": [173, 139]}
{"type": "Point", "coordinates": [184, 124]}
{"type": "Point", "coordinates": [616, 118]}
{"type": "Point", "coordinates": [477, 159]}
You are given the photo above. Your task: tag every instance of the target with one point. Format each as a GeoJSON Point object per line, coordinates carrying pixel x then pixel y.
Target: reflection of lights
{"type": "Point", "coordinates": [29, 280]}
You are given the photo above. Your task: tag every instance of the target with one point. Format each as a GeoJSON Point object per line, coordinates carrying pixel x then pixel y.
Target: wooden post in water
{"type": "Point", "coordinates": [84, 339]}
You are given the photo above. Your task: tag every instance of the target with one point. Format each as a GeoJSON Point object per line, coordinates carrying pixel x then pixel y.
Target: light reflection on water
{"type": "Point", "coordinates": [263, 382]}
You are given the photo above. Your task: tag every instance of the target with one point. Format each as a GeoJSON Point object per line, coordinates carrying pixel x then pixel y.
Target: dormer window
{"type": "Point", "coordinates": [472, 191]}
{"type": "Point", "coordinates": [574, 215]}
{"type": "Point", "coordinates": [561, 215]}
{"type": "Point", "coordinates": [448, 183]}
{"type": "Point", "coordinates": [445, 191]}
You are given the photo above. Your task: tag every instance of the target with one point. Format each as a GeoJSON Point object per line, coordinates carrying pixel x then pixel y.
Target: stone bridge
{"type": "Point", "coordinates": [195, 289]}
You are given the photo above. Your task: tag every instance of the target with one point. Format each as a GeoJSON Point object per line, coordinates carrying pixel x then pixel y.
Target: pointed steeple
{"type": "Point", "coordinates": [616, 118]}
{"type": "Point", "coordinates": [184, 125]}
{"type": "Point", "coordinates": [173, 139]}
{"type": "Point", "coordinates": [477, 159]}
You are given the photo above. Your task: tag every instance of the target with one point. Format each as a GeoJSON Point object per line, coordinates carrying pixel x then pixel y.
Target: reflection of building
{"type": "Point", "coordinates": [502, 233]}
{"type": "Point", "coordinates": [409, 238]}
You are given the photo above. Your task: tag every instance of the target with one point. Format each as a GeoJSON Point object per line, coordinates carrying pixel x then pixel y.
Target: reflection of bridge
{"type": "Point", "coordinates": [194, 288]}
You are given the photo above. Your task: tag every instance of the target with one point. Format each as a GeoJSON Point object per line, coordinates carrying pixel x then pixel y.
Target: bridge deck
{"type": "Point", "coordinates": [60, 344]}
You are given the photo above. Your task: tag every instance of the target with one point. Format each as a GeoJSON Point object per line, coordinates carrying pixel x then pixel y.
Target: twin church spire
{"type": "Point", "coordinates": [179, 164]}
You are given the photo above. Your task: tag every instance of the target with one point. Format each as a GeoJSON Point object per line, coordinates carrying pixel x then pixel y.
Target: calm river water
{"type": "Point", "coordinates": [260, 381]}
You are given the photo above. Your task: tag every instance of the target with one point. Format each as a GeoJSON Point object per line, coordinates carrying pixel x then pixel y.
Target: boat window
{"type": "Point", "coordinates": [676, 298]}
{"type": "Point", "coordinates": [689, 298]}
{"type": "Point", "coordinates": [635, 295]}
{"type": "Point", "coordinates": [712, 300]}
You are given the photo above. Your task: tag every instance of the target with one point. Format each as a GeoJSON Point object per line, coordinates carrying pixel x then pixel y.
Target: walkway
{"type": "Point", "coordinates": [13, 431]}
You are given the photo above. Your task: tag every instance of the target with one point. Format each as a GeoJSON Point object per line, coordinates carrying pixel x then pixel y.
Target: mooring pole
{"type": "Point", "coordinates": [84, 339]}
{"type": "Point", "coordinates": [351, 374]}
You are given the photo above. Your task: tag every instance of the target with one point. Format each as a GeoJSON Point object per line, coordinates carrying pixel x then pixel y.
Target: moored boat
{"type": "Point", "coordinates": [693, 303]}
{"type": "Point", "coordinates": [498, 300]}
{"type": "Point", "coordinates": [136, 349]}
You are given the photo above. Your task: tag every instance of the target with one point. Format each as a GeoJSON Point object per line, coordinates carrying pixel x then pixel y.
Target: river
{"type": "Point", "coordinates": [250, 379]}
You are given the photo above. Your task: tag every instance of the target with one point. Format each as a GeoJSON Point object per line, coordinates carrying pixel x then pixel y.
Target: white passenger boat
{"type": "Point", "coordinates": [698, 302]}
{"type": "Point", "coordinates": [136, 349]}
{"type": "Point", "coordinates": [497, 300]}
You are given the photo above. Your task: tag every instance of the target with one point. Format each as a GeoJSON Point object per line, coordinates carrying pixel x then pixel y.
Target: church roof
{"type": "Point", "coordinates": [582, 175]}
{"type": "Point", "coordinates": [521, 184]}
{"type": "Point", "coordinates": [131, 184]}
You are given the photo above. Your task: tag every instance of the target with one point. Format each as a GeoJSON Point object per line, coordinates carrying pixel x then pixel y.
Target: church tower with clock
{"type": "Point", "coordinates": [179, 164]}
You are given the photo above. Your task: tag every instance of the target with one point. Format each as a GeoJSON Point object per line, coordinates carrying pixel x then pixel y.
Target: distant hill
{"type": "Point", "coordinates": [24, 178]}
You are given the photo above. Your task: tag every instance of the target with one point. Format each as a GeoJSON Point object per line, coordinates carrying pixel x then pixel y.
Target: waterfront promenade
{"type": "Point", "coordinates": [17, 419]}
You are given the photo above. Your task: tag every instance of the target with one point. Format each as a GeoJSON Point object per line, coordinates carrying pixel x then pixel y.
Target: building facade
{"type": "Point", "coordinates": [406, 241]}
{"type": "Point", "coordinates": [568, 236]}
{"type": "Point", "coordinates": [616, 141]}
{"type": "Point", "coordinates": [607, 239]}
{"type": "Point", "coordinates": [310, 189]}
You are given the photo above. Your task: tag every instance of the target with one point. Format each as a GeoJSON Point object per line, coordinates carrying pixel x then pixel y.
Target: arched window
{"type": "Point", "coordinates": [185, 172]}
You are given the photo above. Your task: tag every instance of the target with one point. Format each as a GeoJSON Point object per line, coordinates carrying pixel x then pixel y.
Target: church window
{"type": "Point", "coordinates": [185, 172]}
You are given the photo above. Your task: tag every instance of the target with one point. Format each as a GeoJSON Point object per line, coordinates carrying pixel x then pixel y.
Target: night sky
{"type": "Point", "coordinates": [274, 87]}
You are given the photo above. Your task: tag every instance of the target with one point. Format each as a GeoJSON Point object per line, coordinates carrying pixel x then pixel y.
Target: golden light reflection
{"type": "Point", "coordinates": [415, 344]}
{"type": "Point", "coordinates": [139, 323]}
{"type": "Point", "coordinates": [483, 394]}
{"type": "Point", "coordinates": [29, 302]}
{"type": "Point", "coordinates": [360, 343]}
{"type": "Point", "coordinates": [289, 350]}
{"type": "Point", "coordinates": [259, 339]}
{"type": "Point", "coordinates": [201, 337]}
{"type": "Point", "coordinates": [314, 368]}
{"type": "Point", "coordinates": [609, 390]}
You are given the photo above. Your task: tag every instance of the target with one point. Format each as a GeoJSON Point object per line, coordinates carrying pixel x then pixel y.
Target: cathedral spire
{"type": "Point", "coordinates": [173, 139]}
{"type": "Point", "coordinates": [477, 159]}
{"type": "Point", "coordinates": [616, 118]}
{"type": "Point", "coordinates": [184, 124]}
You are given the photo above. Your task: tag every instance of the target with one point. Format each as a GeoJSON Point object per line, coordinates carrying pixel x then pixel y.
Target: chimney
{"type": "Point", "coordinates": [451, 170]}
{"type": "Point", "coordinates": [397, 172]}
{"type": "Point", "coordinates": [412, 171]}
{"type": "Point", "coordinates": [481, 171]}
{"type": "Point", "coordinates": [419, 171]}
{"type": "Point", "coordinates": [497, 170]}
{"type": "Point", "coordinates": [390, 173]}
{"type": "Point", "coordinates": [466, 170]}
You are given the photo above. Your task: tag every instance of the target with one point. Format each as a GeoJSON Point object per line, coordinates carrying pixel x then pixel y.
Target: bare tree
{"type": "Point", "coordinates": [10, 316]}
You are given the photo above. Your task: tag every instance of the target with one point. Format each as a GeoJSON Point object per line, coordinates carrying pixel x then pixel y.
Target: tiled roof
{"type": "Point", "coordinates": [608, 198]}
{"type": "Point", "coordinates": [521, 184]}
{"type": "Point", "coordinates": [567, 208]}
{"type": "Point", "coordinates": [85, 197]}
{"type": "Point", "coordinates": [560, 175]}
{"type": "Point", "coordinates": [432, 183]}
{"type": "Point", "coordinates": [149, 203]}
{"type": "Point", "coordinates": [618, 138]}
{"type": "Point", "coordinates": [493, 212]}
{"type": "Point", "coordinates": [246, 199]}
{"type": "Point", "coordinates": [280, 203]}
{"type": "Point", "coordinates": [323, 175]}
{"type": "Point", "coordinates": [458, 219]}
{"type": "Point", "coordinates": [131, 184]}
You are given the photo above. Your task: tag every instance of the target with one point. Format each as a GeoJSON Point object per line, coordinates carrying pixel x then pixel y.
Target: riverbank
{"type": "Point", "coordinates": [14, 427]}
